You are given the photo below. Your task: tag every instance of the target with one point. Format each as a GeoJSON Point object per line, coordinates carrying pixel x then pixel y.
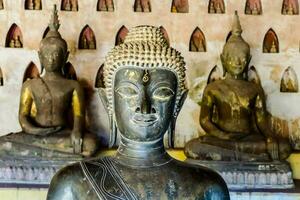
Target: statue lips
{"type": "Point", "coordinates": [144, 119]}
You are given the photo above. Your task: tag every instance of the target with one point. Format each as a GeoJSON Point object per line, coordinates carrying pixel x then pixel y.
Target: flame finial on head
{"type": "Point", "coordinates": [54, 22]}
{"type": "Point", "coordinates": [236, 26]}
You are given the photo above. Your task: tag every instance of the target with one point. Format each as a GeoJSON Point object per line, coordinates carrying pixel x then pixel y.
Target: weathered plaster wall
{"type": "Point", "coordinates": [179, 27]}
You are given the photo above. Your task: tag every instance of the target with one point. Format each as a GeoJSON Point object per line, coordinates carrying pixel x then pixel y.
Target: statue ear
{"type": "Point", "coordinates": [223, 61]}
{"type": "Point", "coordinates": [182, 100]}
{"type": "Point", "coordinates": [171, 129]}
{"type": "Point", "coordinates": [67, 56]}
{"type": "Point", "coordinates": [40, 57]}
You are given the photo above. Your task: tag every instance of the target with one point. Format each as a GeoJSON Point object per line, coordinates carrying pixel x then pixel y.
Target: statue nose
{"type": "Point", "coordinates": [145, 106]}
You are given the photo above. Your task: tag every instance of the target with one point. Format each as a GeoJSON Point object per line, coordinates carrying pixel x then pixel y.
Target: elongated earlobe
{"type": "Point", "coordinates": [113, 132]}
{"type": "Point", "coordinates": [171, 133]}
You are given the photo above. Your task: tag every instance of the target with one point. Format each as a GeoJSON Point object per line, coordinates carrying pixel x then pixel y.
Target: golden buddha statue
{"type": "Point", "coordinates": [233, 113]}
{"type": "Point", "coordinates": [44, 108]}
{"type": "Point", "coordinates": [144, 91]}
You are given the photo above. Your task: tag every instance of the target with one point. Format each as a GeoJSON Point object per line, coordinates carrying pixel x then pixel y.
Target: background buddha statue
{"type": "Point", "coordinates": [145, 89]}
{"type": "Point", "coordinates": [233, 113]}
{"type": "Point", "coordinates": [45, 104]}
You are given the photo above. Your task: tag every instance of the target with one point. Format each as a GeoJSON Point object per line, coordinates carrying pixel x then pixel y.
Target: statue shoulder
{"type": "Point", "coordinates": [66, 182]}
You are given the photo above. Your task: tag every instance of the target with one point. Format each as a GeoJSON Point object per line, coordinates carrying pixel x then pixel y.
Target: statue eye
{"type": "Point", "coordinates": [127, 92]}
{"type": "Point", "coordinates": [163, 93]}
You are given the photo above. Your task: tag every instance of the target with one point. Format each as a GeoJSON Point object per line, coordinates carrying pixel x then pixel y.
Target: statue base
{"type": "Point", "coordinates": [29, 173]}
{"type": "Point", "coordinates": [251, 175]}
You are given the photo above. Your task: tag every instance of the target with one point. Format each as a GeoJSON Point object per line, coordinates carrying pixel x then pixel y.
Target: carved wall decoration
{"type": "Point", "coordinates": [14, 37]}
{"type": "Point", "coordinates": [290, 7]}
{"type": "Point", "coordinates": [165, 34]}
{"type": "Point", "coordinates": [271, 42]}
{"type": "Point", "coordinates": [180, 6]}
{"type": "Point", "coordinates": [253, 7]}
{"type": "Point", "coordinates": [1, 78]}
{"type": "Point", "coordinates": [33, 4]}
{"type": "Point", "coordinates": [197, 41]}
{"type": "Point", "coordinates": [121, 35]}
{"type": "Point", "coordinates": [216, 6]}
{"type": "Point", "coordinates": [142, 6]}
{"type": "Point", "coordinates": [1, 5]}
{"type": "Point", "coordinates": [214, 75]}
{"type": "Point", "coordinates": [289, 81]}
{"type": "Point", "coordinates": [99, 81]}
{"type": "Point", "coordinates": [31, 72]}
{"type": "Point", "coordinates": [45, 32]}
{"type": "Point", "coordinates": [69, 71]}
{"type": "Point", "coordinates": [69, 5]}
{"type": "Point", "coordinates": [253, 75]}
{"type": "Point", "coordinates": [105, 5]}
{"type": "Point", "coordinates": [87, 39]}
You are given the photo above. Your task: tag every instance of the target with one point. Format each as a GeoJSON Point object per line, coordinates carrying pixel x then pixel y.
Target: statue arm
{"type": "Point", "coordinates": [262, 121]}
{"type": "Point", "coordinates": [79, 117]}
{"type": "Point", "coordinates": [26, 104]}
{"type": "Point", "coordinates": [206, 117]}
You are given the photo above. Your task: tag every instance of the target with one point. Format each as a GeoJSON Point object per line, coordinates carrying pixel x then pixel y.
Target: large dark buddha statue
{"type": "Point", "coordinates": [145, 90]}
{"type": "Point", "coordinates": [234, 115]}
{"type": "Point", "coordinates": [44, 108]}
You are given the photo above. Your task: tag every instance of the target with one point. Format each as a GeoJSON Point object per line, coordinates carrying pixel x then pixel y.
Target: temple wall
{"type": "Point", "coordinates": [179, 26]}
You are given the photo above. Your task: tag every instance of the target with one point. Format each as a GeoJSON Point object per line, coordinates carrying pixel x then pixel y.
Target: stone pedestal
{"type": "Point", "coordinates": [29, 173]}
{"type": "Point", "coordinates": [251, 175]}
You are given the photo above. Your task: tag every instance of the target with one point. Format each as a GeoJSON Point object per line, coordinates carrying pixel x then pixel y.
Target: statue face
{"type": "Point", "coordinates": [235, 63]}
{"type": "Point", "coordinates": [52, 57]}
{"type": "Point", "coordinates": [143, 108]}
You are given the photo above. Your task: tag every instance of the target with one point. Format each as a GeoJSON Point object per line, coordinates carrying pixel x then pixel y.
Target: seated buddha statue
{"type": "Point", "coordinates": [145, 89]}
{"type": "Point", "coordinates": [233, 113]}
{"type": "Point", "coordinates": [45, 107]}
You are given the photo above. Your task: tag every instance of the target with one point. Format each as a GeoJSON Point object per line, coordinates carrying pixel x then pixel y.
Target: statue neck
{"type": "Point", "coordinates": [52, 75]}
{"type": "Point", "coordinates": [236, 77]}
{"type": "Point", "coordinates": [142, 154]}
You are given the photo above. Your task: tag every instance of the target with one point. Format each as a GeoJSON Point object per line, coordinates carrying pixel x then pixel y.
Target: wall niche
{"type": "Point", "coordinates": [271, 42]}
{"type": "Point", "coordinates": [99, 82]}
{"type": "Point", "coordinates": [216, 6]}
{"type": "Point", "coordinates": [289, 81]}
{"type": "Point", "coordinates": [69, 71]}
{"type": "Point", "coordinates": [214, 75]}
{"type": "Point", "coordinates": [33, 5]}
{"type": "Point", "coordinates": [105, 5]}
{"type": "Point", "coordinates": [142, 6]}
{"type": "Point", "coordinates": [1, 5]}
{"type": "Point", "coordinates": [180, 6]}
{"type": "Point", "coordinates": [1, 78]}
{"type": "Point", "coordinates": [121, 35]}
{"type": "Point", "coordinates": [197, 41]}
{"type": "Point", "coordinates": [166, 36]}
{"type": "Point", "coordinates": [253, 75]}
{"type": "Point", "coordinates": [87, 38]}
{"type": "Point", "coordinates": [69, 5]}
{"type": "Point", "coordinates": [31, 72]}
{"type": "Point", "coordinates": [290, 7]}
{"type": "Point", "coordinates": [14, 37]}
{"type": "Point", "coordinates": [253, 7]}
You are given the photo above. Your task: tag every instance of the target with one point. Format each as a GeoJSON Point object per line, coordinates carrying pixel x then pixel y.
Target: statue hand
{"type": "Point", "coordinates": [272, 148]}
{"type": "Point", "coordinates": [76, 143]}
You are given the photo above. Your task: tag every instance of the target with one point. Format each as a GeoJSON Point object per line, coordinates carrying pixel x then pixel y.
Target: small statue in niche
{"type": "Point", "coordinates": [234, 115]}
{"type": "Point", "coordinates": [216, 6]}
{"type": "Point", "coordinates": [271, 44]}
{"type": "Point", "coordinates": [87, 39]}
{"type": "Point", "coordinates": [15, 41]}
{"type": "Point", "coordinates": [37, 5]}
{"type": "Point", "coordinates": [289, 81]}
{"type": "Point", "coordinates": [105, 5]}
{"type": "Point", "coordinates": [144, 92]}
{"type": "Point", "coordinates": [70, 5]}
{"type": "Point", "coordinates": [253, 7]}
{"type": "Point", "coordinates": [180, 6]}
{"type": "Point", "coordinates": [33, 5]}
{"type": "Point", "coordinates": [197, 42]}
{"type": "Point", "coordinates": [121, 35]}
{"type": "Point", "coordinates": [44, 106]}
{"type": "Point", "coordinates": [142, 6]}
{"type": "Point", "coordinates": [290, 7]}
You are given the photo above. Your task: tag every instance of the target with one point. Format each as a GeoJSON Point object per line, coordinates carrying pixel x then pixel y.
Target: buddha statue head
{"type": "Point", "coordinates": [145, 85]}
{"type": "Point", "coordinates": [53, 51]}
{"type": "Point", "coordinates": [236, 52]}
